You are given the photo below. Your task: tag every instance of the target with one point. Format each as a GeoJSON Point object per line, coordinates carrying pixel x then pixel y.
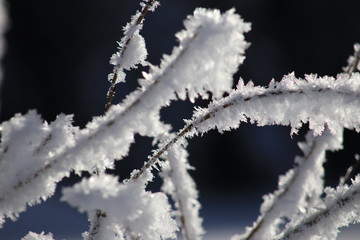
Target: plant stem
{"type": "Point", "coordinates": [112, 88]}
{"type": "Point", "coordinates": [232, 101]}
{"type": "Point", "coordinates": [96, 225]}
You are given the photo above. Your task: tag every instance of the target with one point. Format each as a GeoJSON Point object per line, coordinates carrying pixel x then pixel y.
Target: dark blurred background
{"type": "Point", "coordinates": [57, 61]}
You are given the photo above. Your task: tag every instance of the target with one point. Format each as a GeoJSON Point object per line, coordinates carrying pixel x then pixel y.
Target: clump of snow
{"type": "Point", "coordinates": [127, 206]}
{"type": "Point", "coordinates": [132, 49]}
{"type": "Point", "coordinates": [129, 55]}
{"type": "Point", "coordinates": [135, 53]}
{"type": "Point", "coordinates": [35, 236]}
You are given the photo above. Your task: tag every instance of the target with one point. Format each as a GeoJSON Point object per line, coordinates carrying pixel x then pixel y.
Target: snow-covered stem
{"type": "Point", "coordinates": [158, 153]}
{"type": "Point", "coordinates": [99, 143]}
{"type": "Point", "coordinates": [211, 47]}
{"type": "Point", "coordinates": [95, 225]}
{"type": "Point", "coordinates": [181, 187]}
{"type": "Point", "coordinates": [312, 99]}
{"type": "Point", "coordinates": [136, 23]}
{"type": "Point", "coordinates": [38, 141]}
{"type": "Point", "coordinates": [299, 181]}
{"type": "Point", "coordinates": [340, 208]}
{"type": "Point", "coordinates": [150, 5]}
{"type": "Point", "coordinates": [299, 189]}
{"type": "Point", "coordinates": [131, 211]}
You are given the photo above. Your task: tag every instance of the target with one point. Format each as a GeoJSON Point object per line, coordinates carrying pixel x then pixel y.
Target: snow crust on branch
{"type": "Point", "coordinates": [127, 206]}
{"type": "Point", "coordinates": [323, 102]}
{"type": "Point", "coordinates": [181, 187]}
{"type": "Point", "coordinates": [299, 189]}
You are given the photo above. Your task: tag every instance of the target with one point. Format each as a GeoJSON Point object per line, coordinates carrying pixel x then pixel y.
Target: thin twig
{"type": "Point", "coordinates": [112, 88]}
{"type": "Point", "coordinates": [96, 222]}
{"type": "Point", "coordinates": [211, 114]}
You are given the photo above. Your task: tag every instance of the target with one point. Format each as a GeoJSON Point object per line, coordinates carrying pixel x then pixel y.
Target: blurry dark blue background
{"type": "Point", "coordinates": [57, 61]}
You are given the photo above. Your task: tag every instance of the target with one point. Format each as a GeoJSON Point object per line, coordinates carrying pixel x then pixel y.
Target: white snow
{"type": "Point", "coordinates": [35, 236]}
{"type": "Point", "coordinates": [127, 206]}
{"type": "Point", "coordinates": [323, 102]}
{"type": "Point", "coordinates": [181, 187]}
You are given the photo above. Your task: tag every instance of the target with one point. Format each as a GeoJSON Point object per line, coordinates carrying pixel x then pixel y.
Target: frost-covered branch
{"type": "Point", "coordinates": [323, 102]}
{"type": "Point", "coordinates": [302, 186]}
{"type": "Point", "coordinates": [340, 208]}
{"type": "Point", "coordinates": [299, 189]}
{"type": "Point", "coordinates": [181, 187]}
{"type": "Point", "coordinates": [36, 155]}
{"type": "Point", "coordinates": [22, 161]}
{"type": "Point", "coordinates": [204, 54]}
{"type": "Point", "coordinates": [132, 50]}
{"type": "Point", "coordinates": [95, 225]}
